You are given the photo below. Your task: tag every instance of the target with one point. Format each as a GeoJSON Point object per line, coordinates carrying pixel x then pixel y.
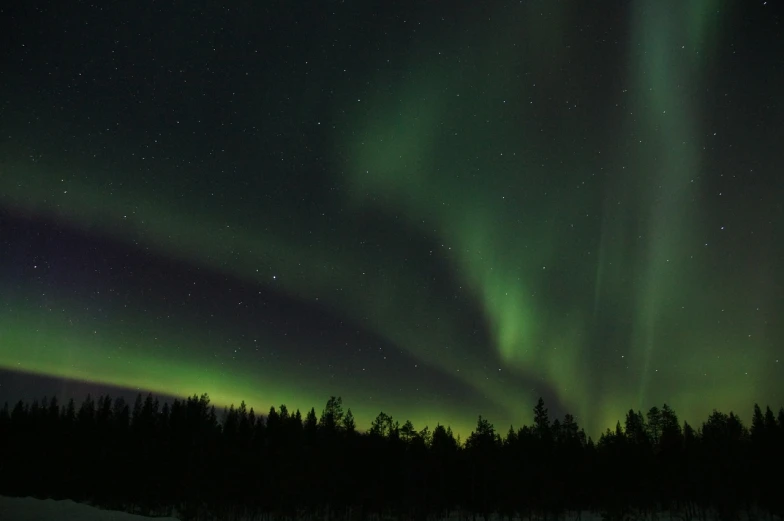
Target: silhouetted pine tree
{"type": "Point", "coordinates": [152, 458]}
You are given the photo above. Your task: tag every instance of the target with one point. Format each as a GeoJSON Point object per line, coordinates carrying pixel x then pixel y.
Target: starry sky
{"type": "Point", "coordinates": [434, 209]}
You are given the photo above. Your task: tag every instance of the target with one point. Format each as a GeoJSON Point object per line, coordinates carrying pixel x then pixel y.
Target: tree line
{"type": "Point", "coordinates": [151, 458]}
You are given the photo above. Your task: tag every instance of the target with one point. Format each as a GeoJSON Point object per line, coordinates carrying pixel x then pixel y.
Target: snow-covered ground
{"type": "Point", "coordinates": [30, 509]}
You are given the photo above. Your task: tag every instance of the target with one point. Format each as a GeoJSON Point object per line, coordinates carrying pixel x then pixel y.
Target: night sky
{"type": "Point", "coordinates": [435, 209]}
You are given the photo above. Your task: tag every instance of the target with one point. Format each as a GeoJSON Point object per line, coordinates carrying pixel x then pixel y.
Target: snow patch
{"type": "Point", "coordinates": [31, 509]}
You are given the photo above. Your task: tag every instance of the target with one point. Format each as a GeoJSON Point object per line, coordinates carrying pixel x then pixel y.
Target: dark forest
{"type": "Point", "coordinates": [185, 457]}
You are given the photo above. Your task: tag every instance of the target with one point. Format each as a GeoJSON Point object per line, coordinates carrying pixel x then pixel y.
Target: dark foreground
{"type": "Point", "coordinates": [178, 458]}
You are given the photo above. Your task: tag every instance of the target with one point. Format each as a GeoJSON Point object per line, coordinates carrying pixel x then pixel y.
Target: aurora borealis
{"type": "Point", "coordinates": [437, 210]}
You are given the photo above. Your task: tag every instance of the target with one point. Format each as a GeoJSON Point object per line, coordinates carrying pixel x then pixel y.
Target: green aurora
{"type": "Point", "coordinates": [581, 247]}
